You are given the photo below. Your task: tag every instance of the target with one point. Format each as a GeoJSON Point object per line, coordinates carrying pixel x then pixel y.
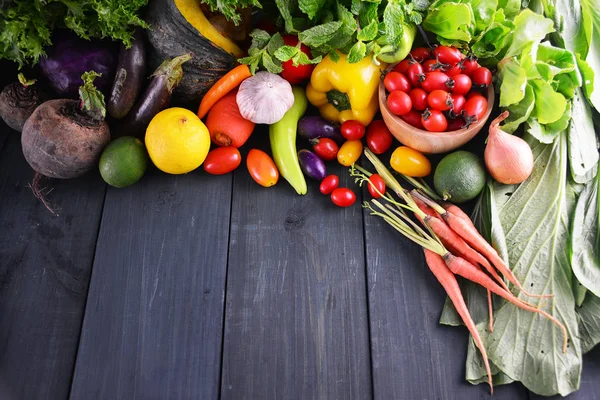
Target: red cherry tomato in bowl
{"type": "Point", "coordinates": [413, 118]}
{"type": "Point", "coordinates": [343, 197]}
{"type": "Point", "coordinates": [447, 54]}
{"type": "Point", "coordinates": [222, 160]}
{"type": "Point", "coordinates": [474, 109]}
{"type": "Point", "coordinates": [325, 148]}
{"type": "Point", "coordinates": [300, 73]}
{"type": "Point", "coordinates": [329, 184]}
{"type": "Point", "coordinates": [376, 186]}
{"type": "Point", "coordinates": [399, 102]}
{"type": "Point", "coordinates": [352, 130]}
{"type": "Point", "coordinates": [462, 84]}
{"type": "Point", "coordinates": [439, 100]}
{"type": "Point", "coordinates": [379, 138]}
{"type": "Point", "coordinates": [419, 99]}
{"type": "Point", "coordinates": [396, 81]}
{"type": "Point", "coordinates": [414, 73]}
{"type": "Point", "coordinates": [420, 53]}
{"type": "Point", "coordinates": [402, 66]}
{"type": "Point", "coordinates": [434, 121]}
{"type": "Point", "coordinates": [482, 77]}
{"type": "Point", "coordinates": [468, 65]}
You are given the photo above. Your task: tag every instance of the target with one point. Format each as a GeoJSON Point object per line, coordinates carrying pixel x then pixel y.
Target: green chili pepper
{"type": "Point", "coordinates": [283, 142]}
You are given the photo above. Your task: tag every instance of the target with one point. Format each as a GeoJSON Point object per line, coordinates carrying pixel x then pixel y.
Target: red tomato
{"type": "Point", "coordinates": [262, 168]}
{"type": "Point", "coordinates": [462, 84]}
{"type": "Point", "coordinates": [430, 65]}
{"type": "Point", "coordinates": [396, 81]}
{"type": "Point", "coordinates": [482, 77]}
{"type": "Point", "coordinates": [468, 65]}
{"type": "Point", "coordinates": [402, 66]}
{"type": "Point", "coordinates": [447, 54]}
{"type": "Point", "coordinates": [399, 102]}
{"type": "Point", "coordinates": [376, 184]}
{"type": "Point", "coordinates": [436, 80]}
{"type": "Point", "coordinates": [343, 197]}
{"type": "Point", "coordinates": [329, 184]}
{"type": "Point", "coordinates": [325, 148]}
{"type": "Point", "coordinates": [458, 103]}
{"type": "Point", "coordinates": [421, 53]}
{"type": "Point", "coordinates": [434, 121]}
{"type": "Point", "coordinates": [453, 70]}
{"type": "Point", "coordinates": [419, 99]}
{"type": "Point", "coordinates": [439, 100]}
{"type": "Point", "coordinates": [379, 139]}
{"type": "Point", "coordinates": [352, 130]}
{"type": "Point", "coordinates": [455, 124]}
{"type": "Point", "coordinates": [414, 73]}
{"type": "Point", "coordinates": [474, 109]}
{"type": "Point", "coordinates": [222, 160]}
{"type": "Point", "coordinates": [473, 93]}
{"type": "Point", "coordinates": [299, 73]}
{"type": "Point", "coordinates": [413, 117]}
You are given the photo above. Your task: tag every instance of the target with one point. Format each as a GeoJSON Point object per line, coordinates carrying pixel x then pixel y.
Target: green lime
{"type": "Point", "coordinates": [459, 177]}
{"type": "Point", "coordinates": [123, 162]}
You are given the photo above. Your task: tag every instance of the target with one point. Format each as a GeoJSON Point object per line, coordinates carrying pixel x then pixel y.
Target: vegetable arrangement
{"type": "Point", "coordinates": [528, 260]}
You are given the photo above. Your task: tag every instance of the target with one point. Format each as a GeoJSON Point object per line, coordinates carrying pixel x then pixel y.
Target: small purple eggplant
{"type": "Point", "coordinates": [312, 165]}
{"type": "Point", "coordinates": [315, 127]}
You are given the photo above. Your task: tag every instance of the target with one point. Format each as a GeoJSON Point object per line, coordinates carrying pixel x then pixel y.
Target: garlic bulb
{"type": "Point", "coordinates": [264, 98]}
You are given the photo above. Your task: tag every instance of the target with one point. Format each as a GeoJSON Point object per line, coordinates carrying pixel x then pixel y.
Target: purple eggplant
{"type": "Point", "coordinates": [312, 165]}
{"type": "Point", "coordinates": [315, 127]}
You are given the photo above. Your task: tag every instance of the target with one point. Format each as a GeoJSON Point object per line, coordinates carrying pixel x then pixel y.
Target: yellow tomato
{"type": "Point", "coordinates": [350, 152]}
{"type": "Point", "coordinates": [410, 162]}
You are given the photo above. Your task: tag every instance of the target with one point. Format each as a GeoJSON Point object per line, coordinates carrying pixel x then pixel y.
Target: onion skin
{"type": "Point", "coordinates": [508, 158]}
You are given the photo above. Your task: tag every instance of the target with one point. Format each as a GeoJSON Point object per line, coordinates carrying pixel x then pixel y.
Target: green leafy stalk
{"type": "Point", "coordinates": [91, 99]}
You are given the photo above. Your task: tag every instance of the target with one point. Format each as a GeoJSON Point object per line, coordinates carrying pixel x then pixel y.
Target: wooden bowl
{"type": "Point", "coordinates": [425, 141]}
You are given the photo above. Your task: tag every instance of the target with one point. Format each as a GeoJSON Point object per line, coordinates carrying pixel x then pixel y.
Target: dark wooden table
{"type": "Point", "coordinates": [204, 287]}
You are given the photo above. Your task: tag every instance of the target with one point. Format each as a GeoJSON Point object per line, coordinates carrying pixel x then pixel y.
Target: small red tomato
{"type": "Point", "coordinates": [325, 148]}
{"type": "Point", "coordinates": [419, 99]}
{"type": "Point", "coordinates": [436, 80]}
{"type": "Point", "coordinates": [399, 102]}
{"type": "Point", "coordinates": [414, 74]}
{"type": "Point", "coordinates": [482, 77]}
{"type": "Point", "coordinates": [300, 73]}
{"type": "Point", "coordinates": [329, 184]}
{"type": "Point", "coordinates": [472, 94]}
{"type": "Point", "coordinates": [430, 65]}
{"type": "Point", "coordinates": [413, 117]}
{"type": "Point", "coordinates": [376, 186]}
{"type": "Point", "coordinates": [352, 130]}
{"type": "Point", "coordinates": [458, 103]}
{"type": "Point", "coordinates": [474, 109]}
{"type": "Point", "coordinates": [379, 138]}
{"type": "Point", "coordinates": [222, 160]}
{"type": "Point", "coordinates": [402, 66]}
{"type": "Point", "coordinates": [447, 54]}
{"type": "Point", "coordinates": [455, 124]}
{"type": "Point", "coordinates": [420, 53]}
{"type": "Point", "coordinates": [434, 121]}
{"type": "Point", "coordinates": [468, 65]}
{"type": "Point", "coordinates": [453, 70]}
{"type": "Point", "coordinates": [343, 197]}
{"type": "Point", "coordinates": [439, 100]}
{"type": "Point", "coordinates": [462, 84]}
{"type": "Point", "coordinates": [262, 168]}
{"type": "Point", "coordinates": [396, 81]}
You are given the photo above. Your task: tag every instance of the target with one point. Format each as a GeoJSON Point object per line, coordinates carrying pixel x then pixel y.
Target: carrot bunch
{"type": "Point", "coordinates": [452, 246]}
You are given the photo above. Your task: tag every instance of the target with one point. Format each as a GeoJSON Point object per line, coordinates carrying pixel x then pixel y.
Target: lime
{"type": "Point", "coordinates": [459, 177]}
{"type": "Point", "coordinates": [123, 162]}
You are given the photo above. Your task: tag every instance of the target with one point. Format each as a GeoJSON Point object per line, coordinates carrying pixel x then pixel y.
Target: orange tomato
{"type": "Point", "coordinates": [349, 152]}
{"type": "Point", "coordinates": [262, 168]}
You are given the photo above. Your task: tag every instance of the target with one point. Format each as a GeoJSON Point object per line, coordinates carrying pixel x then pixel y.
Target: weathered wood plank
{"type": "Point", "coordinates": [45, 264]}
{"type": "Point", "coordinates": [296, 318]}
{"type": "Point", "coordinates": [154, 316]}
{"type": "Point", "coordinates": [413, 356]}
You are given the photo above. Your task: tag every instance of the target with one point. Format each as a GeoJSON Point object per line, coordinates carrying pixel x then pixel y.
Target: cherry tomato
{"type": "Point", "coordinates": [329, 184]}
{"type": "Point", "coordinates": [468, 65]}
{"type": "Point", "coordinates": [410, 162]}
{"type": "Point", "coordinates": [439, 100]}
{"type": "Point", "coordinates": [402, 66]}
{"type": "Point", "coordinates": [436, 80]}
{"type": "Point", "coordinates": [222, 160]}
{"type": "Point", "coordinates": [413, 117]}
{"type": "Point", "coordinates": [414, 74]}
{"type": "Point", "coordinates": [455, 124]}
{"type": "Point", "coordinates": [399, 102]}
{"type": "Point", "coordinates": [352, 130]}
{"type": "Point", "coordinates": [376, 184]}
{"type": "Point", "coordinates": [458, 103]}
{"type": "Point", "coordinates": [430, 65]}
{"type": "Point", "coordinates": [473, 93]}
{"type": "Point", "coordinates": [420, 53]}
{"type": "Point", "coordinates": [474, 109]}
{"type": "Point", "coordinates": [262, 168]}
{"type": "Point", "coordinates": [300, 73]}
{"type": "Point", "coordinates": [325, 148]}
{"type": "Point", "coordinates": [343, 197]}
{"type": "Point", "coordinates": [447, 54]}
{"type": "Point", "coordinates": [462, 84]}
{"type": "Point", "coordinates": [434, 121]}
{"type": "Point", "coordinates": [379, 139]}
{"type": "Point", "coordinates": [396, 81]}
{"type": "Point", "coordinates": [349, 152]}
{"type": "Point", "coordinates": [453, 70]}
{"type": "Point", "coordinates": [482, 77]}
{"type": "Point", "coordinates": [419, 99]}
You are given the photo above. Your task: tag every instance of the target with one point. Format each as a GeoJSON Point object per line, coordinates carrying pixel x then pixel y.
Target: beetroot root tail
{"type": "Point", "coordinates": [40, 193]}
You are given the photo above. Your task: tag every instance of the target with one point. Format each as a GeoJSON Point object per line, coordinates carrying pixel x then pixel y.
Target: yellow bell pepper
{"type": "Point", "coordinates": [343, 91]}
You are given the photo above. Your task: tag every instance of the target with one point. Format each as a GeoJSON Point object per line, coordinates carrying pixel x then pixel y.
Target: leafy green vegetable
{"type": "Point", "coordinates": [583, 144]}
{"type": "Point", "coordinates": [529, 28]}
{"type": "Point", "coordinates": [589, 322]}
{"type": "Point", "coordinates": [513, 80]}
{"type": "Point", "coordinates": [549, 105]}
{"type": "Point", "coordinates": [450, 22]}
{"type": "Point", "coordinates": [26, 26]}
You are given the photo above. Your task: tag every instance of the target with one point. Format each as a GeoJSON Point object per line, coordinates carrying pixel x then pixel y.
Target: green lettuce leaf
{"type": "Point", "coordinates": [513, 80]}
{"type": "Point", "coordinates": [529, 28]}
{"type": "Point", "coordinates": [484, 11]}
{"type": "Point", "coordinates": [450, 21]}
{"type": "Point", "coordinates": [491, 41]}
{"type": "Point", "coordinates": [552, 61]}
{"type": "Point", "coordinates": [583, 143]}
{"type": "Point", "coordinates": [520, 112]}
{"type": "Point", "coordinates": [549, 105]}
{"type": "Point", "coordinates": [589, 322]}
{"type": "Point", "coordinates": [591, 22]}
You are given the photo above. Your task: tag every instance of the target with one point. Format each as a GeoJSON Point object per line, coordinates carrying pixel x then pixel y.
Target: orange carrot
{"type": "Point", "coordinates": [472, 236]}
{"type": "Point", "coordinates": [226, 125]}
{"type": "Point", "coordinates": [425, 208]}
{"type": "Point", "coordinates": [458, 212]}
{"type": "Point", "coordinates": [447, 279]}
{"type": "Point", "coordinates": [462, 267]}
{"type": "Point", "coordinates": [490, 311]}
{"type": "Point", "coordinates": [227, 83]}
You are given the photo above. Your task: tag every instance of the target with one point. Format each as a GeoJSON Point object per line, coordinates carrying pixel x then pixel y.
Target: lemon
{"type": "Point", "coordinates": [177, 141]}
{"type": "Point", "coordinates": [123, 162]}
